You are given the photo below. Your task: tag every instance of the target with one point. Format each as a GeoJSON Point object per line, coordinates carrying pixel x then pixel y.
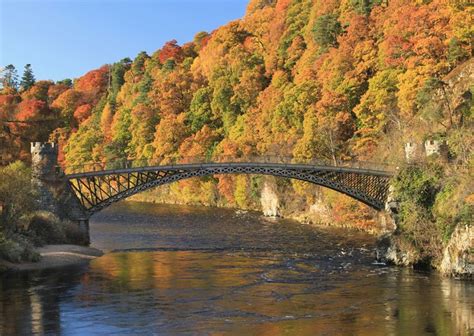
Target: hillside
{"type": "Point", "coordinates": [332, 79]}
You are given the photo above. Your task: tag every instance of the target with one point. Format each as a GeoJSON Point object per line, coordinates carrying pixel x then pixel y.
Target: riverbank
{"type": "Point", "coordinates": [53, 256]}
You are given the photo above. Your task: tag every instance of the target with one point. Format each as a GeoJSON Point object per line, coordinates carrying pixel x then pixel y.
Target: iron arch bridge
{"type": "Point", "coordinates": [99, 185]}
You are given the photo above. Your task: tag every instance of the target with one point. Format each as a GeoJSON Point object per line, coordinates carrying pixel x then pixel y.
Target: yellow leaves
{"type": "Point", "coordinates": [380, 96]}
{"type": "Point", "coordinates": [261, 86]}
{"type": "Point", "coordinates": [240, 192]}
{"type": "Point", "coordinates": [366, 55]}
{"type": "Point", "coordinates": [169, 134]}
{"type": "Point", "coordinates": [305, 147]}
{"type": "Point", "coordinates": [410, 82]}
{"type": "Point", "coordinates": [106, 120]}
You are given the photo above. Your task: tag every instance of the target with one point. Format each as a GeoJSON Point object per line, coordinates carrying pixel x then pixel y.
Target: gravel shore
{"type": "Point", "coordinates": [53, 256]}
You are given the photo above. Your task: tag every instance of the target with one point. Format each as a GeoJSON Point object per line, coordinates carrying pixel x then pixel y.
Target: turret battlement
{"type": "Point", "coordinates": [44, 148]}
{"type": "Point", "coordinates": [44, 159]}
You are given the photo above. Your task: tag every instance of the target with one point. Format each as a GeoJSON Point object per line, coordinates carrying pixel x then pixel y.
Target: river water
{"type": "Point", "coordinates": [179, 270]}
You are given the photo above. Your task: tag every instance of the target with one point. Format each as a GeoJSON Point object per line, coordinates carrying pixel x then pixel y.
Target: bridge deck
{"type": "Point", "coordinates": [99, 185]}
{"type": "Point", "coordinates": [177, 167]}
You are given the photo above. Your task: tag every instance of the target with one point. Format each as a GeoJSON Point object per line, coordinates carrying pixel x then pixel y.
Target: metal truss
{"type": "Point", "coordinates": [99, 189]}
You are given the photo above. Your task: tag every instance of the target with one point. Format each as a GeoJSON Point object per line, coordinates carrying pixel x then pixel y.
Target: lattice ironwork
{"type": "Point", "coordinates": [98, 189]}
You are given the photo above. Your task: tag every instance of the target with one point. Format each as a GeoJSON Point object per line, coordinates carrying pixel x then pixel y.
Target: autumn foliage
{"type": "Point", "coordinates": [328, 79]}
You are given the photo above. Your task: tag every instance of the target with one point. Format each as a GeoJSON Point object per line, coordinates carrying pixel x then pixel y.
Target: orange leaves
{"type": "Point", "coordinates": [169, 134]}
{"type": "Point", "coordinates": [67, 100]}
{"type": "Point", "coordinates": [55, 90]}
{"type": "Point", "coordinates": [197, 145]}
{"type": "Point", "coordinates": [82, 112]}
{"type": "Point", "coordinates": [31, 109]}
{"type": "Point", "coordinates": [93, 82]}
{"type": "Point", "coordinates": [172, 92]}
{"type": "Point", "coordinates": [349, 212]}
{"type": "Point", "coordinates": [225, 186]}
{"type": "Point", "coordinates": [282, 5]}
{"type": "Point", "coordinates": [414, 33]}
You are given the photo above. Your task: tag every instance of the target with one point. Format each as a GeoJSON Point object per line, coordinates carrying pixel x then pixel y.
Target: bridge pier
{"type": "Point", "coordinates": [54, 192]}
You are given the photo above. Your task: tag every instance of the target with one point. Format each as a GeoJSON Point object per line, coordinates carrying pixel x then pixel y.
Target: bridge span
{"type": "Point", "coordinates": [79, 192]}
{"type": "Point", "coordinates": [97, 189]}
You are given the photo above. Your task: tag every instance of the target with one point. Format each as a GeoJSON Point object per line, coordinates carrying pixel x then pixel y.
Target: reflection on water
{"type": "Point", "coordinates": [206, 271]}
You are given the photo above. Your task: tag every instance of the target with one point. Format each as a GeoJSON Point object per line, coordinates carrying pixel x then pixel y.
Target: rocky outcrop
{"type": "Point", "coordinates": [457, 260]}
{"type": "Point", "coordinates": [270, 201]}
{"type": "Point", "coordinates": [318, 213]}
{"type": "Point", "coordinates": [458, 256]}
{"type": "Point", "coordinates": [393, 249]}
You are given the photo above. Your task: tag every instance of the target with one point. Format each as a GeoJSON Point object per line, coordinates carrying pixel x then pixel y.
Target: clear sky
{"type": "Point", "coordinates": [66, 38]}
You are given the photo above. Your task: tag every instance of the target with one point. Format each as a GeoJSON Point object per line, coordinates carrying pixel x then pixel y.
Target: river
{"type": "Point", "coordinates": [181, 270]}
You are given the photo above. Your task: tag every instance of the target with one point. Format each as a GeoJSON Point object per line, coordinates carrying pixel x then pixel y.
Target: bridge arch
{"type": "Point", "coordinates": [98, 189]}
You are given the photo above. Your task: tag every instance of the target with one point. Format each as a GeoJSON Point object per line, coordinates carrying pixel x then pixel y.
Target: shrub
{"type": "Point", "coordinates": [18, 249]}
{"type": "Point", "coordinates": [10, 250]}
{"type": "Point", "coordinates": [45, 228]}
{"type": "Point", "coordinates": [16, 195]}
{"type": "Point", "coordinates": [452, 207]}
{"type": "Point", "coordinates": [418, 184]}
{"type": "Point", "coordinates": [416, 188]}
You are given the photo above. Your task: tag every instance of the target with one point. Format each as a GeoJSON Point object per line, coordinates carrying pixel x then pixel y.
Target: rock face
{"type": "Point", "coordinates": [269, 200]}
{"type": "Point", "coordinates": [317, 213]}
{"type": "Point", "coordinates": [458, 257]}
{"type": "Point", "coordinates": [393, 250]}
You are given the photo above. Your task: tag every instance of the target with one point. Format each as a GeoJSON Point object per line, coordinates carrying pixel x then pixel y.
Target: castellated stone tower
{"type": "Point", "coordinates": [54, 192]}
{"type": "Point", "coordinates": [44, 160]}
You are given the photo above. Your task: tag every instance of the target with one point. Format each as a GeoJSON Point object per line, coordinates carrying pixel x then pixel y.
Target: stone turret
{"type": "Point", "coordinates": [44, 160]}
{"type": "Point", "coordinates": [412, 152]}
{"type": "Point", "coordinates": [436, 147]}
{"type": "Point", "coordinates": [54, 192]}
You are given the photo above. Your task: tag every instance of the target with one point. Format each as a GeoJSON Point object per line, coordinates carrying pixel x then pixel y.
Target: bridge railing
{"type": "Point", "coordinates": [175, 161]}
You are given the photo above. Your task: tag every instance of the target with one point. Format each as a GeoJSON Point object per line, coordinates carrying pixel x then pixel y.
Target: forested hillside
{"type": "Point", "coordinates": [328, 79]}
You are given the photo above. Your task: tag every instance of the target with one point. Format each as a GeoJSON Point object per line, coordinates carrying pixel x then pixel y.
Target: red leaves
{"type": "Point", "coordinates": [171, 49]}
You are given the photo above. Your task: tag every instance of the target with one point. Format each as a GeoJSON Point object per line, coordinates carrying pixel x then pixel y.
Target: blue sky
{"type": "Point", "coordinates": [66, 38]}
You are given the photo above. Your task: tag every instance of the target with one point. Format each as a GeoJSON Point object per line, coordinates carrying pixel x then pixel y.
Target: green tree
{"type": "Point", "coordinates": [326, 29]}
{"type": "Point", "coordinates": [66, 81]}
{"type": "Point", "coordinates": [28, 79]}
{"type": "Point", "coordinates": [364, 6]}
{"type": "Point", "coordinates": [200, 112]}
{"type": "Point", "coordinates": [117, 73]}
{"type": "Point", "coordinates": [456, 52]}
{"type": "Point", "coordinates": [9, 77]}
{"type": "Point", "coordinates": [138, 65]}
